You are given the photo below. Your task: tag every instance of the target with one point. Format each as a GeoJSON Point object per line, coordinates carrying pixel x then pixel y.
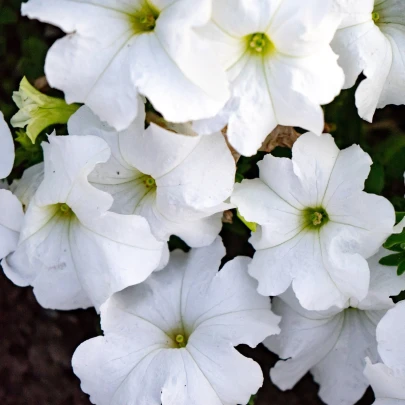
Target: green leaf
{"type": "Point", "coordinates": [393, 240]}
{"type": "Point", "coordinates": [401, 268]}
{"type": "Point", "coordinates": [376, 179]}
{"type": "Point", "coordinates": [252, 400]}
{"type": "Point", "coordinates": [392, 260]}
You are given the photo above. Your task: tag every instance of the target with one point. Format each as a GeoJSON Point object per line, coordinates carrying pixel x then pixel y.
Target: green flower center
{"type": "Point", "coordinates": [375, 16]}
{"type": "Point", "coordinates": [149, 182]}
{"type": "Point", "coordinates": [181, 341]}
{"type": "Point", "coordinates": [65, 210]}
{"type": "Point", "coordinates": [144, 19]}
{"type": "Point", "coordinates": [259, 43]}
{"type": "Point", "coordinates": [315, 217]}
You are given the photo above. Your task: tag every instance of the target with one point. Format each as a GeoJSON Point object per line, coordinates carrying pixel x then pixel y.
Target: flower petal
{"type": "Point", "coordinates": [6, 149]}
{"type": "Point", "coordinates": [93, 61]}
{"type": "Point", "coordinates": [65, 179]}
{"type": "Point", "coordinates": [390, 338]}
{"type": "Point", "coordinates": [305, 338]}
{"type": "Point", "coordinates": [388, 386]}
{"type": "Point", "coordinates": [124, 253]}
{"type": "Point", "coordinates": [11, 220]}
{"type": "Point", "coordinates": [384, 283]}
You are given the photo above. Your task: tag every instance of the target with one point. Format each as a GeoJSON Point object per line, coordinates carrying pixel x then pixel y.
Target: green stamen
{"type": "Point", "coordinates": [65, 209]}
{"type": "Point", "coordinates": [375, 16]}
{"type": "Point", "coordinates": [149, 182]}
{"type": "Point", "coordinates": [258, 42]}
{"type": "Point", "coordinates": [144, 19]}
{"type": "Point", "coordinates": [181, 341]}
{"type": "Point", "coordinates": [315, 217]}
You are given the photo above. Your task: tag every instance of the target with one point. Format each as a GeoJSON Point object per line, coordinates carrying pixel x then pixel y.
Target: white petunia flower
{"type": "Point", "coordinates": [333, 344]}
{"type": "Point", "coordinates": [170, 340]}
{"type": "Point", "coordinates": [280, 65]}
{"type": "Point", "coordinates": [388, 379]}
{"type": "Point", "coordinates": [72, 250]}
{"type": "Point", "coordinates": [371, 39]}
{"type": "Point", "coordinates": [117, 48]}
{"type": "Point", "coordinates": [6, 149]}
{"type": "Point", "coordinates": [11, 219]}
{"type": "Point", "coordinates": [316, 223]}
{"type": "Point", "coordinates": [178, 183]}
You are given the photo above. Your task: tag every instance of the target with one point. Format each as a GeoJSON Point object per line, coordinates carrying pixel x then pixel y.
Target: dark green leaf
{"type": "Point", "coordinates": [392, 260]}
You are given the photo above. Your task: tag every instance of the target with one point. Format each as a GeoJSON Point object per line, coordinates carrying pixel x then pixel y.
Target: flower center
{"type": "Point", "coordinates": [144, 19]}
{"type": "Point", "coordinates": [181, 341]}
{"type": "Point", "coordinates": [375, 16]}
{"type": "Point", "coordinates": [149, 182]}
{"type": "Point", "coordinates": [259, 43]}
{"type": "Point", "coordinates": [315, 217]}
{"type": "Point", "coordinates": [65, 210]}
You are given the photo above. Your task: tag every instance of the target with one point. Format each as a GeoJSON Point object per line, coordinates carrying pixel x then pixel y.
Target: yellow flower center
{"type": "Point", "coordinates": [144, 19]}
{"type": "Point", "coordinates": [375, 16]}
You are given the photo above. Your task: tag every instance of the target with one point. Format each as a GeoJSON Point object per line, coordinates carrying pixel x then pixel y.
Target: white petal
{"type": "Point", "coordinates": [306, 338]}
{"type": "Point", "coordinates": [390, 337]}
{"type": "Point", "coordinates": [11, 219]}
{"type": "Point", "coordinates": [236, 312]}
{"type": "Point", "coordinates": [384, 283]}
{"type": "Point", "coordinates": [203, 181]}
{"type": "Point", "coordinates": [370, 216]}
{"type": "Point", "coordinates": [257, 202]}
{"type": "Point", "coordinates": [221, 364]}
{"type": "Point", "coordinates": [6, 148]}
{"type": "Point", "coordinates": [65, 179]}
{"type": "Point", "coordinates": [340, 373]}
{"type": "Point", "coordinates": [299, 29]}
{"type": "Point", "coordinates": [388, 386]}
{"type": "Point", "coordinates": [91, 65]}
{"type": "Point", "coordinates": [116, 370]}
{"type": "Point", "coordinates": [44, 260]}
{"type": "Point", "coordinates": [123, 253]}
{"type": "Point", "coordinates": [330, 344]}
{"type": "Point", "coordinates": [336, 266]}
{"type": "Point", "coordinates": [174, 57]}
{"type": "Point", "coordinates": [243, 17]}
{"type": "Point", "coordinates": [140, 149]}
{"type": "Point", "coordinates": [314, 159]}
{"type": "Point", "coordinates": [374, 49]}
{"type": "Point", "coordinates": [25, 188]}
{"type": "Point", "coordinates": [253, 117]}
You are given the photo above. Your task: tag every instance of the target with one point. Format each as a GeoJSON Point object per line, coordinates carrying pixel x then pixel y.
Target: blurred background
{"type": "Point", "coordinates": [36, 344]}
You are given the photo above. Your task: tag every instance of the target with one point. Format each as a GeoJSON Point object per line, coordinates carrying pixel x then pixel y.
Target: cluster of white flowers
{"type": "Point", "coordinates": [89, 226]}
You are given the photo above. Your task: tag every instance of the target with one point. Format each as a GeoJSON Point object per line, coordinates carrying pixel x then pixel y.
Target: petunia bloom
{"type": "Point", "coordinates": [116, 49]}
{"type": "Point", "coordinates": [333, 344]}
{"type": "Point", "coordinates": [171, 339]}
{"type": "Point", "coordinates": [178, 183]}
{"type": "Point", "coordinates": [388, 378]}
{"type": "Point", "coordinates": [72, 250]}
{"type": "Point", "coordinates": [280, 65]}
{"type": "Point", "coordinates": [317, 226]}
{"type": "Point", "coordinates": [371, 40]}
{"type": "Point", "coordinates": [7, 152]}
